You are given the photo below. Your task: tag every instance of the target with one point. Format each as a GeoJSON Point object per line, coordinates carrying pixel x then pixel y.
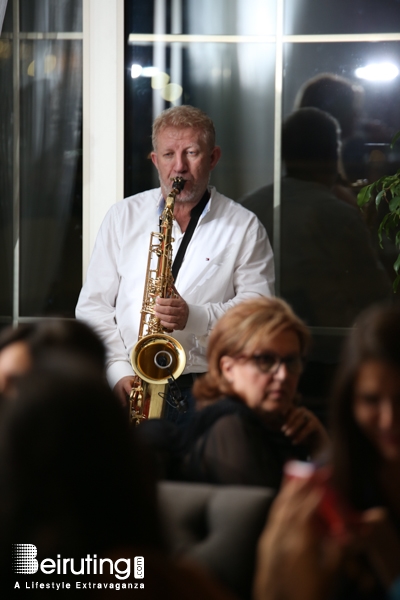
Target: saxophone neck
{"type": "Point", "coordinates": [177, 186]}
{"type": "Point", "coordinates": [170, 201]}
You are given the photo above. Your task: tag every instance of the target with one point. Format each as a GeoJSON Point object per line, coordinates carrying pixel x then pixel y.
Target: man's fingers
{"type": "Point", "coordinates": [169, 301]}
{"type": "Point", "coordinates": [172, 312]}
{"type": "Point", "coordinates": [171, 324]}
{"type": "Point", "coordinates": [122, 389]}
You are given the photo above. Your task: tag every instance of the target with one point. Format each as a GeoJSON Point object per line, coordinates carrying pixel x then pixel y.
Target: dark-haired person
{"type": "Point", "coordinates": [365, 471]}
{"type": "Point", "coordinates": [75, 484]}
{"type": "Point", "coordinates": [22, 346]}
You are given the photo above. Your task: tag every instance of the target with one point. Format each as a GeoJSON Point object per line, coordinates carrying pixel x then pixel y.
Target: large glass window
{"type": "Point", "coordinates": [248, 64]}
{"type": "Point", "coordinates": [41, 146]}
{"type": "Point", "coordinates": [245, 62]}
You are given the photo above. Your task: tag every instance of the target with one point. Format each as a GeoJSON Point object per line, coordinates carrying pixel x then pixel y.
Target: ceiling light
{"type": "Point", "coordinates": [136, 71]}
{"type": "Point", "coordinates": [150, 71]}
{"type": "Point", "coordinates": [378, 72]}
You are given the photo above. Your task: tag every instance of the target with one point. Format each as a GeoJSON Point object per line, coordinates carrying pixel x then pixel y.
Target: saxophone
{"type": "Point", "coordinates": [156, 357]}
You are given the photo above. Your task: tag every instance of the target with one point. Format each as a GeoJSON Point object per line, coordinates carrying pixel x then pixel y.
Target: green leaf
{"type": "Point", "coordinates": [384, 227]}
{"type": "Point", "coordinates": [364, 195]}
{"type": "Point", "coordinates": [390, 221]}
{"type": "Point", "coordinates": [394, 204]}
{"type": "Point", "coordinates": [386, 181]}
{"type": "Point", "coordinates": [391, 224]}
{"type": "Point", "coordinates": [379, 198]}
{"type": "Point", "coordinates": [397, 240]}
{"type": "Point", "coordinates": [395, 189]}
{"type": "Point", "coordinates": [396, 283]}
{"type": "Point", "coordinates": [396, 265]}
{"type": "Point", "coordinates": [395, 138]}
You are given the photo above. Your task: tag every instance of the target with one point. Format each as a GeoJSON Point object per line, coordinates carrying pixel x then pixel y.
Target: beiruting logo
{"type": "Point", "coordinates": [24, 559]}
{"type": "Point", "coordinates": [24, 562]}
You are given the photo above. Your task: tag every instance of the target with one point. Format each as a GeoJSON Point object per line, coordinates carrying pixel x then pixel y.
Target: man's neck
{"type": "Point", "coordinates": [182, 212]}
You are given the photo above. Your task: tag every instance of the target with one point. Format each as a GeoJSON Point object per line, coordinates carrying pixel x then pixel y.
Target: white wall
{"type": "Point", "coordinates": [103, 114]}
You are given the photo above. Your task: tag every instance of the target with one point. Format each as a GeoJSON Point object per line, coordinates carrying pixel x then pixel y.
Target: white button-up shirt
{"type": "Point", "coordinates": [229, 259]}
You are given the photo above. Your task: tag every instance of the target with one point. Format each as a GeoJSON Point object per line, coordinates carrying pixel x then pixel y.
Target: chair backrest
{"type": "Point", "coordinates": [217, 527]}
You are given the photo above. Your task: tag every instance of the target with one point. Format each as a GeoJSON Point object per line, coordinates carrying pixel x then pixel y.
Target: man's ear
{"type": "Point", "coordinates": [226, 364]}
{"type": "Point", "coordinates": [153, 157]}
{"type": "Point", "coordinates": [215, 156]}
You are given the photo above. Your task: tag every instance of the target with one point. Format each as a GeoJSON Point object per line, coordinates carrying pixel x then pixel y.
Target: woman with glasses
{"type": "Point", "coordinates": [251, 423]}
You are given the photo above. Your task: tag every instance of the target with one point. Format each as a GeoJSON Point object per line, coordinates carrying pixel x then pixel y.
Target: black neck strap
{"type": "Point", "coordinates": [194, 218]}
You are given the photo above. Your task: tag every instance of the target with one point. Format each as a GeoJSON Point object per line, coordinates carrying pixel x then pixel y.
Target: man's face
{"type": "Point", "coordinates": [182, 152]}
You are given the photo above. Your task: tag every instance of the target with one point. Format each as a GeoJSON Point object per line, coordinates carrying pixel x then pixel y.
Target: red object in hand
{"type": "Point", "coordinates": [335, 515]}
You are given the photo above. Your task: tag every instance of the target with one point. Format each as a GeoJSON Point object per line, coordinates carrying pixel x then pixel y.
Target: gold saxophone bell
{"type": "Point", "coordinates": [157, 357]}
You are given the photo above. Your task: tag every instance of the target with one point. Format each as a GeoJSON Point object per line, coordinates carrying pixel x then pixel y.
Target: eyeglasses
{"type": "Point", "coordinates": [270, 363]}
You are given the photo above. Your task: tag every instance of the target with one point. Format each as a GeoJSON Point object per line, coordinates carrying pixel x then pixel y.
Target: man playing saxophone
{"type": "Point", "coordinates": [225, 258]}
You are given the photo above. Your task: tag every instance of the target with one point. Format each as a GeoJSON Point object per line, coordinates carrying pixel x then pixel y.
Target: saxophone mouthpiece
{"type": "Point", "coordinates": [178, 184]}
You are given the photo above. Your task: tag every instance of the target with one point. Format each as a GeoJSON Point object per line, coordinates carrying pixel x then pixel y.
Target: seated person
{"type": "Point", "coordinates": [364, 562]}
{"type": "Point", "coordinates": [22, 346]}
{"type": "Point", "coordinates": [71, 483]}
{"type": "Point", "coordinates": [251, 423]}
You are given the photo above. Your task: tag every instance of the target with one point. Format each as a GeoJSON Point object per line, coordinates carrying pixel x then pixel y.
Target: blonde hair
{"type": "Point", "coordinates": [244, 328]}
{"type": "Point", "coordinates": [181, 117]}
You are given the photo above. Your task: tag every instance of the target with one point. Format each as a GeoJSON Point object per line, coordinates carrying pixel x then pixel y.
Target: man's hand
{"type": "Point", "coordinates": [122, 389]}
{"type": "Point", "coordinates": [172, 312]}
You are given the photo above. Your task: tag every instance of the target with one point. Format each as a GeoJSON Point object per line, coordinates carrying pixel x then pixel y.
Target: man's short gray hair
{"type": "Point", "coordinates": [182, 117]}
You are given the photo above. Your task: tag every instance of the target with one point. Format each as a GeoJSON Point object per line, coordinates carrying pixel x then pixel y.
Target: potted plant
{"type": "Point", "coordinates": [386, 189]}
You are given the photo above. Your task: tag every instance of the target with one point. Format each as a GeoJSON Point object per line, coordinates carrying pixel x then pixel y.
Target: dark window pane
{"type": "Point", "coordinates": [306, 17]}
{"type": "Point", "coordinates": [51, 177]}
{"type": "Point", "coordinates": [51, 15]}
{"type": "Point", "coordinates": [225, 17]}
{"type": "Point", "coordinates": [6, 178]}
{"type": "Point", "coordinates": [234, 84]}
{"type": "Point", "coordinates": [139, 16]}
{"type": "Point", "coordinates": [8, 19]}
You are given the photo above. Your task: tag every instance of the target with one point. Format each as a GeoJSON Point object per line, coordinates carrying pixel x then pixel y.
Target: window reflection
{"type": "Point", "coordinates": [307, 17]}
{"type": "Point", "coordinates": [8, 19]}
{"type": "Point", "coordinates": [51, 83]}
{"type": "Point", "coordinates": [366, 109]}
{"type": "Point", "coordinates": [234, 84]}
{"type": "Point", "coordinates": [6, 179]}
{"type": "Point", "coordinates": [50, 15]}
{"type": "Point", "coordinates": [208, 17]}
{"type": "Point", "coordinates": [41, 157]}
{"type": "Point", "coordinates": [230, 17]}
{"type": "Point", "coordinates": [379, 102]}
